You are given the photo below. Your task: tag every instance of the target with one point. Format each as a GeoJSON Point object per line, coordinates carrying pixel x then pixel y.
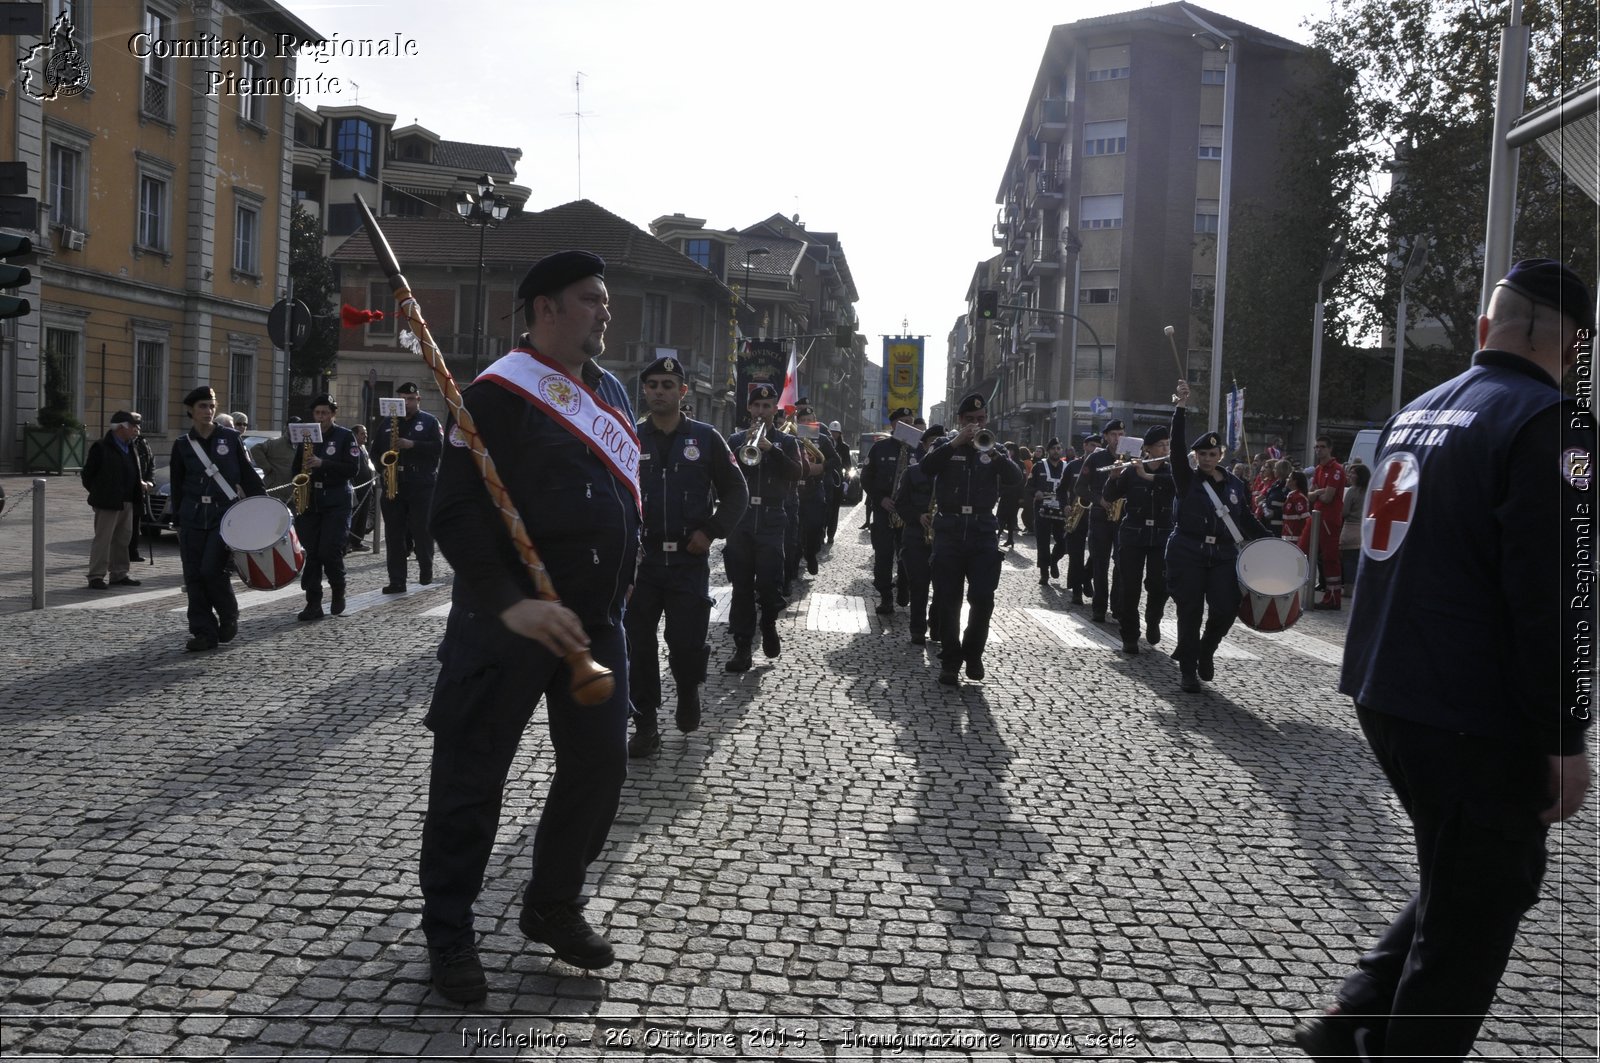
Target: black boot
{"type": "Point", "coordinates": [337, 606]}
{"type": "Point", "coordinates": [741, 659]}
{"type": "Point", "coordinates": [313, 609]}
{"type": "Point", "coordinates": [771, 645]}
{"type": "Point", "coordinates": [688, 675]}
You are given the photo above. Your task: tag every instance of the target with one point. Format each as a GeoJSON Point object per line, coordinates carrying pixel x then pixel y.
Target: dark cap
{"type": "Point", "coordinates": [667, 366]}
{"type": "Point", "coordinates": [408, 388]}
{"type": "Point", "coordinates": [1156, 433]}
{"type": "Point", "coordinates": [1113, 425]}
{"type": "Point", "coordinates": [324, 400]}
{"type": "Point", "coordinates": [973, 403]}
{"type": "Point", "coordinates": [761, 391]}
{"type": "Point", "coordinates": [935, 431]}
{"type": "Point", "coordinates": [124, 417]}
{"type": "Point", "coordinates": [203, 393]}
{"type": "Point", "coordinates": [554, 272]}
{"type": "Point", "coordinates": [1209, 441]}
{"type": "Point", "coordinates": [1052, 442]}
{"type": "Point", "coordinates": [901, 411]}
{"type": "Point", "coordinates": [1089, 437]}
{"type": "Point", "coordinates": [802, 401]}
{"type": "Point", "coordinates": [1548, 282]}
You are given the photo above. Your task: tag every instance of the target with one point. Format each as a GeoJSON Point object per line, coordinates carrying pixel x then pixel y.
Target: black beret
{"type": "Point", "coordinates": [554, 272]}
{"type": "Point", "coordinates": [1089, 437]}
{"type": "Point", "coordinates": [1157, 433]}
{"type": "Point", "coordinates": [761, 391]}
{"type": "Point", "coordinates": [667, 366]}
{"type": "Point", "coordinates": [1113, 425]}
{"type": "Point", "coordinates": [1209, 441]}
{"type": "Point", "coordinates": [901, 411]}
{"type": "Point", "coordinates": [933, 432]}
{"type": "Point", "coordinates": [203, 393]}
{"type": "Point", "coordinates": [972, 404]}
{"type": "Point", "coordinates": [1546, 281]}
{"type": "Point", "coordinates": [324, 400]}
{"type": "Point", "coordinates": [408, 388]}
{"type": "Point", "coordinates": [802, 402]}
{"type": "Point", "coordinates": [1052, 442]}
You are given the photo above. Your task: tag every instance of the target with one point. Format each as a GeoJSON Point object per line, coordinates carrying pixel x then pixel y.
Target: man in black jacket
{"type": "Point", "coordinates": [116, 484]}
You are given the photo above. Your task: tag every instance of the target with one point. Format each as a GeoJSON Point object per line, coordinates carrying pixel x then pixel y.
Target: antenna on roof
{"type": "Point", "coordinates": [580, 114]}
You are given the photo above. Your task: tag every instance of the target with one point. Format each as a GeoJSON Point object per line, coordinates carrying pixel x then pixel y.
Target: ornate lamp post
{"type": "Point", "coordinates": [486, 210]}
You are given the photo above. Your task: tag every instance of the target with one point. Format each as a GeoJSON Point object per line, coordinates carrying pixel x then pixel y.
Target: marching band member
{"type": "Point", "coordinates": [879, 471]}
{"type": "Point", "coordinates": [966, 537]}
{"type": "Point", "coordinates": [836, 433]}
{"type": "Point", "coordinates": [1078, 581]}
{"type": "Point", "coordinates": [1049, 511]}
{"type": "Point", "coordinates": [324, 528]}
{"type": "Point", "coordinates": [753, 556]}
{"type": "Point", "coordinates": [791, 505]}
{"type": "Point", "coordinates": [420, 443]}
{"type": "Point", "coordinates": [817, 489]}
{"type": "Point", "coordinates": [1142, 538]}
{"type": "Point", "coordinates": [693, 494]}
{"type": "Point", "coordinates": [1091, 487]}
{"type": "Point", "coordinates": [1201, 552]}
{"type": "Point", "coordinates": [913, 502]}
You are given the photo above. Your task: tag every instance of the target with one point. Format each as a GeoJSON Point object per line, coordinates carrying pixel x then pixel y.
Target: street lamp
{"type": "Point", "coordinates": [486, 210]}
{"type": "Point", "coordinates": [1413, 269]}
{"type": "Point", "coordinates": [1230, 93]}
{"type": "Point", "coordinates": [1330, 270]}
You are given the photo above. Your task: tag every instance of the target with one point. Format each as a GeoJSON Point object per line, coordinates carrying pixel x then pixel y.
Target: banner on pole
{"type": "Point", "coordinates": [758, 362]}
{"type": "Point", "coordinates": [1235, 419]}
{"type": "Point", "coordinates": [902, 374]}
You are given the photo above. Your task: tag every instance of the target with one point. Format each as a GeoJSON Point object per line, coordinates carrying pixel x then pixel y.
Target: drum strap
{"type": "Point", "coordinates": [1224, 515]}
{"type": "Point", "coordinates": [211, 470]}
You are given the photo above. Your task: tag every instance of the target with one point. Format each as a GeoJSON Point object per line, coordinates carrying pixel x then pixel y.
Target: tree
{"type": "Point", "coordinates": [316, 284]}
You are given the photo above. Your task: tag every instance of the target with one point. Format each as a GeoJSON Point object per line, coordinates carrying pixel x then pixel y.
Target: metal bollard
{"type": "Point", "coordinates": [377, 526]}
{"type": "Point", "coordinates": [1308, 592]}
{"type": "Point", "coordinates": [38, 544]}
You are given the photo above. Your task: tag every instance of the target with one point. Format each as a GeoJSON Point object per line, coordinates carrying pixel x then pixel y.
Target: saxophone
{"type": "Point", "coordinates": [391, 461]}
{"type": "Point", "coordinates": [302, 481]}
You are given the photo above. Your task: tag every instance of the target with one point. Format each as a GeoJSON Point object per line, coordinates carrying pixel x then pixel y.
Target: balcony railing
{"type": "Point", "coordinates": [1042, 256]}
{"type": "Point", "coordinates": [1050, 120]}
{"type": "Point", "coordinates": [156, 98]}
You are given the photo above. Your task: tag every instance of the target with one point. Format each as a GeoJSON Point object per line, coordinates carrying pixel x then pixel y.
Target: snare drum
{"type": "Point", "coordinates": [266, 551]}
{"type": "Point", "coordinates": [1271, 575]}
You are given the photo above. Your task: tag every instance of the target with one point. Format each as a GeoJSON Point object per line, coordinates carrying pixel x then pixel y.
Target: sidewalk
{"type": "Point", "coordinates": [213, 856]}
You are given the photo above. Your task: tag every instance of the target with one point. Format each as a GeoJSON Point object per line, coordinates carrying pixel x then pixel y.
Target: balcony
{"type": "Point", "coordinates": [1001, 234]}
{"type": "Point", "coordinates": [1043, 258]}
{"type": "Point", "coordinates": [1050, 121]}
{"type": "Point", "coordinates": [1039, 329]}
{"type": "Point", "coordinates": [1047, 190]}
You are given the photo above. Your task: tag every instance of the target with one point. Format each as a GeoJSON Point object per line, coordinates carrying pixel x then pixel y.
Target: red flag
{"type": "Point", "coordinates": [790, 394]}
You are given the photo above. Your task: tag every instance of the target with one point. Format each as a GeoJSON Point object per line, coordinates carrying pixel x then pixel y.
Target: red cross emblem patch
{"type": "Point", "coordinates": [1391, 504]}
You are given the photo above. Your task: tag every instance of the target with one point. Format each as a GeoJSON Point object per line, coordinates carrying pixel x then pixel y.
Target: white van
{"type": "Point", "coordinates": [1365, 447]}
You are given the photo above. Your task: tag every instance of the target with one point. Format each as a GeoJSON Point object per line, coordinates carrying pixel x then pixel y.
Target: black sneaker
{"type": "Point", "coordinates": [740, 661]}
{"type": "Point", "coordinates": [227, 630]}
{"type": "Point", "coordinates": [1337, 1035]}
{"type": "Point", "coordinates": [457, 973]}
{"type": "Point", "coordinates": [1206, 666]}
{"type": "Point", "coordinates": [569, 936]}
{"type": "Point", "coordinates": [644, 743]}
{"type": "Point", "coordinates": [97, 584]}
{"type": "Point", "coordinates": [126, 581]}
{"type": "Point", "coordinates": [687, 715]}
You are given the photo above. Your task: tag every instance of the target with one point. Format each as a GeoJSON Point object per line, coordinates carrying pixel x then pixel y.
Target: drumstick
{"type": "Point", "coordinates": [592, 683]}
{"type": "Point", "coordinates": [1173, 343]}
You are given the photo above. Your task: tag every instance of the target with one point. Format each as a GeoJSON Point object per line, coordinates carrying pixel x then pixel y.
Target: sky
{"type": "Point", "coordinates": [885, 122]}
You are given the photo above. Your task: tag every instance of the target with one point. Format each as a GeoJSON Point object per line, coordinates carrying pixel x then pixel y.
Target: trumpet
{"type": "Point", "coordinates": [983, 441]}
{"type": "Point", "coordinates": [302, 481]}
{"type": "Point", "coordinates": [391, 461]}
{"type": "Point", "coordinates": [750, 453]}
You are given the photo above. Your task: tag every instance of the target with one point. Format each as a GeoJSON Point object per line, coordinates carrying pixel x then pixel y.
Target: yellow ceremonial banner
{"type": "Point", "coordinates": [902, 373]}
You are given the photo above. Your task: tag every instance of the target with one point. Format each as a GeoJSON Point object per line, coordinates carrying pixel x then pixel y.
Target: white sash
{"type": "Point", "coordinates": [211, 470]}
{"type": "Point", "coordinates": [571, 404]}
{"type": "Point", "coordinates": [1222, 513]}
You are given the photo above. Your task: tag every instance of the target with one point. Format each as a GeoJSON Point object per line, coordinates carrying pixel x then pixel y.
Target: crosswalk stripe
{"type": "Point", "coordinates": [837, 612]}
{"type": "Point", "coordinates": [118, 601]}
{"type": "Point", "coordinates": [438, 610]}
{"type": "Point", "coordinates": [1309, 645]}
{"type": "Point", "coordinates": [1079, 634]}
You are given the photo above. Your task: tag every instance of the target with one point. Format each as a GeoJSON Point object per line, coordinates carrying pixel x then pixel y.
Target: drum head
{"type": "Point", "coordinates": [255, 523]}
{"type": "Point", "coordinates": [1273, 567]}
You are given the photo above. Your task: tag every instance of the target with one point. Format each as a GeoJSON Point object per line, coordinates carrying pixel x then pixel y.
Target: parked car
{"type": "Point", "coordinates": [158, 516]}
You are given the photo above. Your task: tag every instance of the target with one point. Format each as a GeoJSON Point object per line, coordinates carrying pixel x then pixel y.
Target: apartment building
{"type": "Point", "coordinates": [163, 209]}
{"type": "Point", "coordinates": [1109, 209]}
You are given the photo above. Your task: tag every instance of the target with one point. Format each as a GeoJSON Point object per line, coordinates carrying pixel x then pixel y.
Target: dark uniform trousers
{"type": "Point", "coordinates": [207, 580]}
{"type": "Point", "coordinates": [405, 519]}
{"type": "Point", "coordinates": [485, 695]}
{"type": "Point", "coordinates": [1474, 804]}
{"type": "Point", "coordinates": [975, 559]}
{"type": "Point", "coordinates": [815, 509]}
{"type": "Point", "coordinates": [916, 568]}
{"type": "Point", "coordinates": [1050, 533]}
{"type": "Point", "coordinates": [1140, 562]}
{"type": "Point", "coordinates": [754, 563]}
{"type": "Point", "coordinates": [323, 533]}
{"type": "Point", "coordinates": [885, 548]}
{"type": "Point", "coordinates": [1077, 569]}
{"type": "Point", "coordinates": [1102, 534]}
{"type": "Point", "coordinates": [1202, 584]}
{"type": "Point", "coordinates": [681, 592]}
{"type": "Point", "coordinates": [791, 538]}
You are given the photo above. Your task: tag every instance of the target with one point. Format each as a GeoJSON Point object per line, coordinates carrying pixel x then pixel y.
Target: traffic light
{"type": "Point", "coordinates": [988, 304]}
{"type": "Point", "coordinates": [844, 336]}
{"type": "Point", "coordinates": [14, 276]}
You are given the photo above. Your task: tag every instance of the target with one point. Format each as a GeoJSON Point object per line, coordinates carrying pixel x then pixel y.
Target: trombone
{"type": "Point", "coordinates": [750, 453]}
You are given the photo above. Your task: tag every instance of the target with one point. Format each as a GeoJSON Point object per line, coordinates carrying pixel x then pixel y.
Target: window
{"type": "Point", "coordinates": [343, 219]}
{"type": "Point", "coordinates": [352, 148]}
{"type": "Point", "coordinates": [149, 379]}
{"type": "Point", "coordinates": [1210, 142]}
{"type": "Point", "coordinates": [242, 381]}
{"type": "Point", "coordinates": [1201, 288]}
{"type": "Point", "coordinates": [1096, 363]}
{"type": "Point", "coordinates": [1213, 68]}
{"type": "Point", "coordinates": [252, 108]}
{"type": "Point", "coordinates": [381, 297]}
{"type": "Point", "coordinates": [247, 241]}
{"type": "Point", "coordinates": [699, 250]}
{"type": "Point", "coordinates": [61, 369]}
{"type": "Point", "coordinates": [1105, 138]}
{"type": "Point", "coordinates": [157, 70]}
{"type": "Point", "coordinates": [1108, 64]}
{"type": "Point", "coordinates": [66, 186]}
{"type": "Point", "coordinates": [1098, 286]}
{"type": "Point", "coordinates": [1205, 215]}
{"type": "Point", "coordinates": [654, 325]}
{"type": "Point", "coordinates": [1101, 212]}
{"type": "Point", "coordinates": [152, 233]}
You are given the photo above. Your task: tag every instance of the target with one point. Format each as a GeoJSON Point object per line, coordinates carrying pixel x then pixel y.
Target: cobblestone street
{"type": "Point", "coordinates": [213, 856]}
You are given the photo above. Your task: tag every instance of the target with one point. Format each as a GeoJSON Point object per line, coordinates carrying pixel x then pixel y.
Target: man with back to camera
{"type": "Point", "coordinates": [1464, 656]}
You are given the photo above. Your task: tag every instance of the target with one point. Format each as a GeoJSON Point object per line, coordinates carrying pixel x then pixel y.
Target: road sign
{"type": "Point", "coordinates": [278, 322]}
{"type": "Point", "coordinates": [1098, 405]}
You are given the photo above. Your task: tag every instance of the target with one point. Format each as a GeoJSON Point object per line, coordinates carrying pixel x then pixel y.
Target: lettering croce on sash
{"type": "Point", "coordinates": [570, 403]}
